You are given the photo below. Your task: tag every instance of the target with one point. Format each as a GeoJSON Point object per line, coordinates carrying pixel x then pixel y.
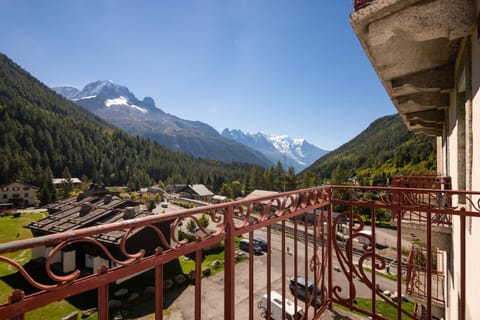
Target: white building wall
{"type": "Point", "coordinates": [89, 261]}
{"type": "Point", "coordinates": [56, 258]}
{"type": "Point", "coordinates": [69, 261]}
{"type": "Point", "coordinates": [473, 224]}
{"type": "Point", "coordinates": [472, 249]}
{"type": "Point", "coordinates": [38, 252]}
{"type": "Point", "coordinates": [451, 159]}
{"type": "Point", "coordinates": [98, 261]}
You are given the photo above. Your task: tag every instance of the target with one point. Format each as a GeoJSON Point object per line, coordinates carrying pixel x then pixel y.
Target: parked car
{"type": "Point", "coordinates": [276, 307]}
{"type": "Point", "coordinates": [262, 243]}
{"type": "Point", "coordinates": [245, 246]}
{"type": "Point", "coordinates": [305, 291]}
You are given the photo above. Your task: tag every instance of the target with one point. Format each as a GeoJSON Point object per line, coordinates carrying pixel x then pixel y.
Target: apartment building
{"type": "Point", "coordinates": [427, 55]}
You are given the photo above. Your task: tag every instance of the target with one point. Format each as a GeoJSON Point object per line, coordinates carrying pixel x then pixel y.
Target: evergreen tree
{"type": "Point", "coordinates": [291, 180]}
{"type": "Point", "coordinates": [226, 191]}
{"type": "Point", "coordinates": [236, 188]}
{"type": "Point", "coordinates": [255, 179]}
{"type": "Point", "coordinates": [47, 189]}
{"type": "Point", "coordinates": [268, 179]}
{"type": "Point", "coordinates": [67, 185]}
{"type": "Point", "coordinates": [279, 182]}
{"type": "Point", "coordinates": [338, 176]}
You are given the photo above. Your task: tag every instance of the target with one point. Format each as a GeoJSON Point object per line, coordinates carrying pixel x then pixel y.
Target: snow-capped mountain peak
{"type": "Point", "coordinates": [107, 95]}
{"type": "Point", "coordinates": [297, 151]}
{"type": "Point", "coordinates": [122, 101]}
{"type": "Point", "coordinates": [119, 106]}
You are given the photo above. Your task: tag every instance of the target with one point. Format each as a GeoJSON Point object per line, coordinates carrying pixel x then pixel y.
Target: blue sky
{"type": "Point", "coordinates": [283, 67]}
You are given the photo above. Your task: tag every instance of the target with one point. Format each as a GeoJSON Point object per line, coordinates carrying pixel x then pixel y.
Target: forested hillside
{"type": "Point", "coordinates": [42, 135]}
{"type": "Point", "coordinates": [386, 148]}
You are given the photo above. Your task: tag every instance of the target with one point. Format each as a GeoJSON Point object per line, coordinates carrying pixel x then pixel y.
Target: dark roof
{"type": "Point", "coordinates": [88, 210]}
{"type": "Point", "coordinates": [179, 187]}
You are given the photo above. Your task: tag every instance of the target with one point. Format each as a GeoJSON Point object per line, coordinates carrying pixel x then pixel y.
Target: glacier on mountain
{"type": "Point", "coordinates": [295, 152]}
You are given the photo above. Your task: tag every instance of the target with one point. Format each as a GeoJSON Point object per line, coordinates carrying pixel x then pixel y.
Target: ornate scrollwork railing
{"type": "Point", "coordinates": [355, 251]}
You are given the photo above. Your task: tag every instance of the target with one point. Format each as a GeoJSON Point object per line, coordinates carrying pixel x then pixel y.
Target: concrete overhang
{"type": "Point", "coordinates": [412, 45]}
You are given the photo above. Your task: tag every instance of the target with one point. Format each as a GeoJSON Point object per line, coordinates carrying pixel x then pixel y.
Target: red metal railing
{"type": "Point", "coordinates": [302, 232]}
{"type": "Point", "coordinates": [439, 203]}
{"type": "Point", "coordinates": [358, 4]}
{"type": "Point", "coordinates": [417, 274]}
{"type": "Point", "coordinates": [423, 181]}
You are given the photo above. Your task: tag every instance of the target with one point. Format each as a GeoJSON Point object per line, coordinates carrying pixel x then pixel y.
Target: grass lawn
{"type": "Point", "coordinates": [210, 256]}
{"type": "Point", "coordinates": [12, 229]}
{"type": "Point", "coordinates": [383, 307]}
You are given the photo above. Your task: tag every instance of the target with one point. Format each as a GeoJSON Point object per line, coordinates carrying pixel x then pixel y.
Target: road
{"type": "Point", "coordinates": [213, 287]}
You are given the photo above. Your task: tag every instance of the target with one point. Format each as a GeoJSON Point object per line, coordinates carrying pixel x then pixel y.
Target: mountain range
{"type": "Point", "coordinates": [43, 135]}
{"type": "Point", "coordinates": [297, 153]}
{"type": "Point", "coordinates": [118, 105]}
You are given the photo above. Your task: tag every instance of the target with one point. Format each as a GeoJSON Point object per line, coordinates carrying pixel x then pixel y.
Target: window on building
{"type": "Point", "coordinates": [15, 188]}
{"type": "Point", "coordinates": [16, 195]}
{"type": "Point", "coordinates": [5, 189]}
{"type": "Point", "coordinates": [26, 195]}
{"type": "Point", "coordinates": [26, 188]}
{"type": "Point", "coordinates": [5, 196]}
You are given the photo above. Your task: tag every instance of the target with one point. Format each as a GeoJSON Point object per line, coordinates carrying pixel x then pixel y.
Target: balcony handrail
{"type": "Point", "coordinates": [266, 201]}
{"type": "Point", "coordinates": [251, 214]}
{"type": "Point", "coordinates": [359, 4]}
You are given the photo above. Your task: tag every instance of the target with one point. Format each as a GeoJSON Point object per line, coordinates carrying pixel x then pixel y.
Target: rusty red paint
{"type": "Point", "coordinates": [246, 216]}
{"type": "Point", "coordinates": [359, 4]}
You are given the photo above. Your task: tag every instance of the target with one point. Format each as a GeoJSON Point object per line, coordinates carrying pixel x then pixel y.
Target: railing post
{"type": "Point", "coordinates": [229, 292]}
{"type": "Point", "coordinates": [16, 296]}
{"type": "Point", "coordinates": [463, 244]}
{"type": "Point", "coordinates": [198, 284]}
{"type": "Point", "coordinates": [397, 211]}
{"type": "Point", "coordinates": [429, 262]}
{"type": "Point", "coordinates": [159, 291]}
{"type": "Point", "coordinates": [103, 296]}
{"type": "Point", "coordinates": [330, 247]}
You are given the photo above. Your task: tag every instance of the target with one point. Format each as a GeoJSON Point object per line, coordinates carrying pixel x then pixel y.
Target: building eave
{"type": "Point", "coordinates": [412, 44]}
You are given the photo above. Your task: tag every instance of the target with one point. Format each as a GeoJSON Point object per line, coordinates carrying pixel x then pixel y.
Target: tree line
{"type": "Point", "coordinates": [385, 149]}
{"type": "Point", "coordinates": [43, 135]}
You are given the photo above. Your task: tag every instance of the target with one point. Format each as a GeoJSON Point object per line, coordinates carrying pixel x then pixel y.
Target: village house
{"type": "Point", "coordinates": [59, 182]}
{"type": "Point", "coordinates": [193, 191]}
{"type": "Point", "coordinates": [94, 207]}
{"type": "Point", "coordinates": [18, 194]}
{"type": "Point", "coordinates": [152, 193]}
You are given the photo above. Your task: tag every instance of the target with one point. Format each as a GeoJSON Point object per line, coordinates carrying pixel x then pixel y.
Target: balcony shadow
{"type": "Point", "coordinates": [36, 269]}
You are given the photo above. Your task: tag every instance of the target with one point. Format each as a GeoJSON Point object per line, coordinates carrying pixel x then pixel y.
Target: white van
{"type": "Point", "coordinates": [276, 307]}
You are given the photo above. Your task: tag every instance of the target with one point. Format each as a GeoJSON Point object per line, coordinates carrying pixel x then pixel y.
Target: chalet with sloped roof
{"type": "Point", "coordinates": [19, 194]}
{"type": "Point", "coordinates": [194, 191]}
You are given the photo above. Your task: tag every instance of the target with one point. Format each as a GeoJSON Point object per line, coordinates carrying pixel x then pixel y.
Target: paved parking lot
{"type": "Point", "coordinates": [182, 308]}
